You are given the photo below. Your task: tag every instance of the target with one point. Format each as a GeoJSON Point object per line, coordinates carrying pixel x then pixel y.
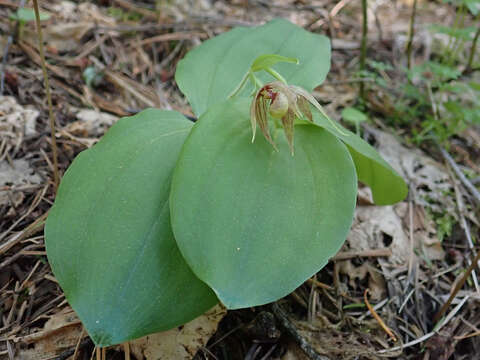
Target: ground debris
{"type": "Point", "coordinates": [62, 331]}
{"type": "Point", "coordinates": [182, 342]}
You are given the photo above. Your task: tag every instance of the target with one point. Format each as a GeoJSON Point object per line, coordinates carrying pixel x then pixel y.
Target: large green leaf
{"type": "Point", "coordinates": [109, 239]}
{"type": "Point", "coordinates": [254, 223]}
{"type": "Point", "coordinates": [209, 73]}
{"type": "Point", "coordinates": [387, 186]}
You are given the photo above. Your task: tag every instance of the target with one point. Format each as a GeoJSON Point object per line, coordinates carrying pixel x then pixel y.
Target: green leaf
{"type": "Point", "coordinates": [265, 61]}
{"type": "Point", "coordinates": [27, 14]}
{"type": "Point", "coordinates": [387, 186]}
{"type": "Point", "coordinates": [466, 33]}
{"type": "Point", "coordinates": [209, 73]}
{"type": "Point", "coordinates": [474, 85]}
{"type": "Point", "coordinates": [441, 72]}
{"type": "Point", "coordinates": [473, 6]}
{"type": "Point", "coordinates": [109, 239]}
{"type": "Point", "coordinates": [254, 223]}
{"type": "Point", "coordinates": [353, 115]}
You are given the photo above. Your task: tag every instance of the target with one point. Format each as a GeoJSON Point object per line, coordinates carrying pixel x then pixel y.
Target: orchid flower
{"type": "Point", "coordinates": [285, 102]}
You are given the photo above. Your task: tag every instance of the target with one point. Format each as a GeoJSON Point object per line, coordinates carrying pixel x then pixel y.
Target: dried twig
{"type": "Point", "coordinates": [430, 334]}
{"type": "Point", "coordinates": [411, 33]}
{"type": "Point", "coordinates": [5, 53]}
{"type": "Point", "coordinates": [465, 226]}
{"type": "Point", "coordinates": [292, 330]}
{"type": "Point", "coordinates": [4, 63]}
{"type": "Point", "coordinates": [457, 288]}
{"type": "Point", "coordinates": [472, 50]}
{"type": "Point", "coordinates": [68, 353]}
{"type": "Point", "coordinates": [27, 231]}
{"type": "Point", "coordinates": [473, 190]}
{"type": "Point", "coordinates": [345, 255]}
{"type": "Point", "coordinates": [146, 13]}
{"type": "Point", "coordinates": [171, 37]}
{"type": "Point", "coordinates": [377, 317]}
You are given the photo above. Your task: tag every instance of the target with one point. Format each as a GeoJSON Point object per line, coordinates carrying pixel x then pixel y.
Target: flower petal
{"type": "Point", "coordinates": [303, 93]}
{"type": "Point", "coordinates": [288, 126]}
{"type": "Point", "coordinates": [253, 116]}
{"type": "Point", "coordinates": [304, 107]}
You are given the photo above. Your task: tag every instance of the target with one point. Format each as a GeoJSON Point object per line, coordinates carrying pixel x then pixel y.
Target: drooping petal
{"type": "Point", "coordinates": [303, 93]}
{"type": "Point", "coordinates": [288, 126]}
{"type": "Point", "coordinates": [304, 107]}
{"type": "Point", "coordinates": [262, 120]}
{"type": "Point", "coordinates": [253, 116]}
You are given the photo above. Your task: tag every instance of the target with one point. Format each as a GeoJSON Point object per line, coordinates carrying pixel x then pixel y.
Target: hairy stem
{"type": "Point", "coordinates": [56, 176]}
{"type": "Point", "coordinates": [363, 50]}
{"type": "Point", "coordinates": [411, 34]}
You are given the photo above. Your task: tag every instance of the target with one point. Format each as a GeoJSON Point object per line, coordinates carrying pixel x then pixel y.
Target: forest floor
{"type": "Point", "coordinates": [113, 58]}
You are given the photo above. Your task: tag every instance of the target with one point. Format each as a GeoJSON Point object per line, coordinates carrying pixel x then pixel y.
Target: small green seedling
{"type": "Point", "coordinates": [163, 218]}
{"type": "Point", "coordinates": [355, 117]}
{"type": "Point", "coordinates": [24, 15]}
{"type": "Point", "coordinates": [92, 76]}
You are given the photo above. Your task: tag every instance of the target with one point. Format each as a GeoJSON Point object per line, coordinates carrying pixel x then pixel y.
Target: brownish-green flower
{"type": "Point", "coordinates": [281, 101]}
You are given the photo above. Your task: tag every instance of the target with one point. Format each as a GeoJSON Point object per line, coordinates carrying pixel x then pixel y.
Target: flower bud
{"type": "Point", "coordinates": [279, 106]}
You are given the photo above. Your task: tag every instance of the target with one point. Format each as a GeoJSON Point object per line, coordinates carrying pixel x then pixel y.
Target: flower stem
{"type": "Point", "coordinates": [276, 75]}
{"type": "Point", "coordinates": [241, 85]}
{"type": "Point", "coordinates": [363, 49]}
{"type": "Point", "coordinates": [56, 176]}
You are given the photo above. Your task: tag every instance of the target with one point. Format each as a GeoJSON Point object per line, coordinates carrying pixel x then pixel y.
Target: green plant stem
{"type": "Point", "coordinates": [363, 50]}
{"type": "Point", "coordinates": [458, 43]}
{"type": "Point", "coordinates": [446, 55]}
{"type": "Point", "coordinates": [256, 82]}
{"type": "Point", "coordinates": [276, 75]}
{"type": "Point", "coordinates": [473, 49]}
{"type": "Point", "coordinates": [240, 86]}
{"type": "Point", "coordinates": [411, 34]}
{"type": "Point", "coordinates": [56, 176]}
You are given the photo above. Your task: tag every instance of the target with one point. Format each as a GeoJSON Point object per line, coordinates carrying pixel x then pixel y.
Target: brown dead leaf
{"type": "Point", "coordinates": [13, 175]}
{"type": "Point", "coordinates": [376, 282]}
{"type": "Point", "coordinates": [65, 37]}
{"type": "Point", "coordinates": [427, 178]}
{"type": "Point", "coordinates": [389, 226]}
{"type": "Point", "coordinates": [182, 342]}
{"type": "Point", "coordinates": [92, 123]}
{"type": "Point", "coordinates": [15, 118]}
{"type": "Point", "coordinates": [61, 332]}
